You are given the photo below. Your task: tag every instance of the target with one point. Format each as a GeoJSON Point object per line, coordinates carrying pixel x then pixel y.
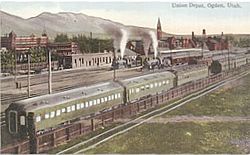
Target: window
{"type": "Point", "coordinates": [137, 90]}
{"type": "Point", "coordinates": [102, 99]}
{"type": "Point", "coordinates": [52, 114]}
{"type": "Point", "coordinates": [142, 88]}
{"type": "Point", "coordinates": [63, 110]}
{"type": "Point", "coordinates": [164, 82]}
{"type": "Point", "coordinates": [38, 118]}
{"type": "Point", "coordinates": [98, 101]}
{"type": "Point", "coordinates": [109, 98]}
{"type": "Point", "coordinates": [119, 95]}
{"type": "Point", "coordinates": [73, 107]}
{"type": "Point", "coordinates": [47, 116]}
{"type": "Point", "coordinates": [94, 102]}
{"type": "Point", "coordinates": [69, 109]}
{"type": "Point", "coordinates": [159, 84]}
{"type": "Point", "coordinates": [132, 90]}
{"type": "Point", "coordinates": [90, 103]}
{"type": "Point", "coordinates": [147, 86]}
{"type": "Point", "coordinates": [167, 81]}
{"type": "Point", "coordinates": [151, 85]}
{"type": "Point", "coordinates": [82, 105]}
{"type": "Point", "coordinates": [156, 84]}
{"type": "Point", "coordinates": [115, 96]}
{"type": "Point", "coordinates": [58, 112]}
{"type": "Point", "coordinates": [86, 104]}
{"type": "Point", "coordinates": [78, 106]}
{"type": "Point", "coordinates": [106, 99]}
{"type": "Point", "coordinates": [112, 97]}
{"type": "Point", "coordinates": [22, 120]}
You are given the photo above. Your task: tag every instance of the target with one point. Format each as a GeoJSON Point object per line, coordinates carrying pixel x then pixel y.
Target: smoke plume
{"type": "Point", "coordinates": [123, 41]}
{"type": "Point", "coordinates": [155, 42]}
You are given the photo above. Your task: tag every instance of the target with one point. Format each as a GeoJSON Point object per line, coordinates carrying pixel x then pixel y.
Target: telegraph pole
{"type": "Point", "coordinates": [28, 74]}
{"type": "Point", "coordinates": [114, 66]}
{"type": "Point", "coordinates": [228, 50]}
{"type": "Point", "coordinates": [49, 73]}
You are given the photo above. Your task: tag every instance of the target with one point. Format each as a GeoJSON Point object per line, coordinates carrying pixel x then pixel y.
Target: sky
{"type": "Point", "coordinates": [177, 20]}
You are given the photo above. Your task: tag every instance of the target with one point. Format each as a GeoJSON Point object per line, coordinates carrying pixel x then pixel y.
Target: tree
{"type": "Point", "coordinates": [61, 38]}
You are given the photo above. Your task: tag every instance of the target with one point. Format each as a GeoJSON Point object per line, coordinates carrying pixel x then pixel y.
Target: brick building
{"type": "Point", "coordinates": [21, 44]}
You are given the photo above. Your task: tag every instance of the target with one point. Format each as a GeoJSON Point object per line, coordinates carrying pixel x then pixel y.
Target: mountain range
{"type": "Point", "coordinates": [70, 23]}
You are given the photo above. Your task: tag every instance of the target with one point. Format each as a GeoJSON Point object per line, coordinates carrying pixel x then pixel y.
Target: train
{"type": "Point", "coordinates": [50, 111]}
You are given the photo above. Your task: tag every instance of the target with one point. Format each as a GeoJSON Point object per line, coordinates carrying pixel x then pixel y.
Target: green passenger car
{"type": "Point", "coordinates": [49, 111]}
{"type": "Point", "coordinates": [150, 84]}
{"type": "Point", "coordinates": [190, 73]}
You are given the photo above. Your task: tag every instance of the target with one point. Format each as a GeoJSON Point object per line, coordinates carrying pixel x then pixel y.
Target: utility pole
{"type": "Point", "coordinates": [114, 66]}
{"type": "Point", "coordinates": [28, 73]}
{"type": "Point", "coordinates": [49, 73]}
{"type": "Point", "coordinates": [15, 57]}
{"type": "Point", "coordinates": [228, 50]}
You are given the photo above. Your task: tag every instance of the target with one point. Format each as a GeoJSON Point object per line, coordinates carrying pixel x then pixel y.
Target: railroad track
{"type": "Point", "coordinates": [103, 137]}
{"type": "Point", "coordinates": [9, 98]}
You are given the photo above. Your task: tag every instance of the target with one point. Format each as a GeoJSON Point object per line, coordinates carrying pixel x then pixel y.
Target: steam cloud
{"type": "Point", "coordinates": [155, 42]}
{"type": "Point", "coordinates": [123, 42]}
{"type": "Point", "coordinates": [119, 35]}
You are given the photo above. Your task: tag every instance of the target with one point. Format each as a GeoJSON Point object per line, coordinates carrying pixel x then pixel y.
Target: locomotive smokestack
{"type": "Point", "coordinates": [193, 35]}
{"type": "Point", "coordinates": [204, 32]}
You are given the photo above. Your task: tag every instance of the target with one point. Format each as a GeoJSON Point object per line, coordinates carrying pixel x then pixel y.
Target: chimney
{"type": "Point", "coordinates": [193, 35]}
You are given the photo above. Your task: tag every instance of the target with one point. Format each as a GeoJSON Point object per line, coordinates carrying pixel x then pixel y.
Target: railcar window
{"type": "Point", "coordinates": [156, 84]}
{"type": "Point", "coordinates": [147, 86]}
{"type": "Point", "coordinates": [106, 99]}
{"type": "Point", "coordinates": [137, 90]}
{"type": "Point", "coordinates": [86, 104]}
{"type": "Point", "coordinates": [63, 110]}
{"type": "Point", "coordinates": [47, 116]}
{"type": "Point", "coordinates": [159, 84]}
{"type": "Point", "coordinates": [151, 85]}
{"type": "Point", "coordinates": [22, 120]}
{"type": "Point", "coordinates": [119, 95]}
{"type": "Point", "coordinates": [78, 106]}
{"type": "Point", "coordinates": [94, 102]}
{"type": "Point", "coordinates": [132, 90]}
{"type": "Point", "coordinates": [109, 98]}
{"type": "Point", "coordinates": [98, 101]}
{"type": "Point", "coordinates": [82, 105]}
{"type": "Point", "coordinates": [164, 82]}
{"type": "Point", "coordinates": [38, 118]}
{"type": "Point", "coordinates": [167, 81]}
{"type": "Point", "coordinates": [73, 107]}
{"type": "Point", "coordinates": [52, 114]}
{"type": "Point", "coordinates": [68, 109]}
{"type": "Point", "coordinates": [115, 96]}
{"type": "Point", "coordinates": [90, 103]}
{"type": "Point", "coordinates": [112, 97]}
{"type": "Point", "coordinates": [102, 99]}
{"type": "Point", "coordinates": [58, 112]}
{"type": "Point", "coordinates": [142, 88]}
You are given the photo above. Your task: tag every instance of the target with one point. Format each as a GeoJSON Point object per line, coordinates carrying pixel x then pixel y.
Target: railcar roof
{"type": "Point", "coordinates": [188, 68]}
{"type": "Point", "coordinates": [67, 96]}
{"type": "Point", "coordinates": [148, 77]}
